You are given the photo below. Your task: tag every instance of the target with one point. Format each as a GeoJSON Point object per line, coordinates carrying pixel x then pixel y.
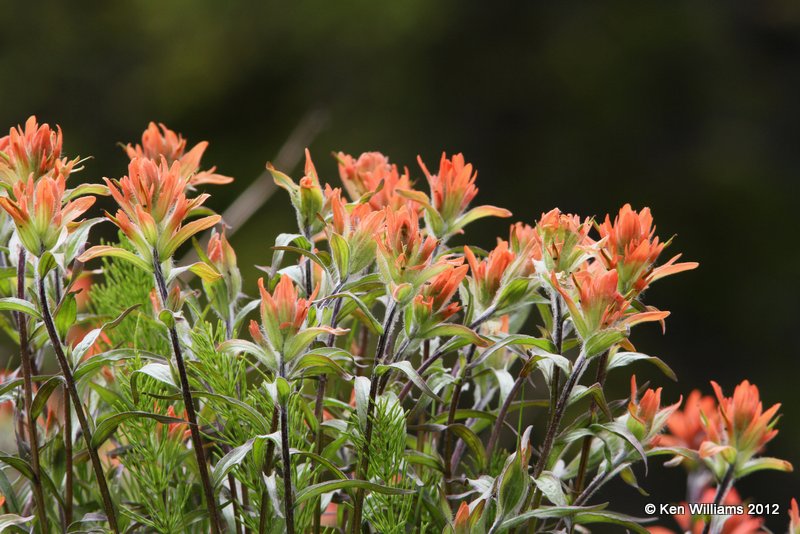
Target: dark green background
{"type": "Point", "coordinates": [688, 107]}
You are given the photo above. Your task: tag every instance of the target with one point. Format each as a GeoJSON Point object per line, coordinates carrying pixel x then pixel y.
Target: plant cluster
{"type": "Point", "coordinates": [381, 380]}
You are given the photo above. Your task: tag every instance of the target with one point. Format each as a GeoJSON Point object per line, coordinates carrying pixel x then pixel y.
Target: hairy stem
{"type": "Point", "coordinates": [586, 447]}
{"type": "Point", "coordinates": [66, 370]}
{"type": "Point", "coordinates": [27, 377]}
{"type": "Point", "coordinates": [263, 522]}
{"type": "Point", "coordinates": [319, 411]}
{"type": "Point", "coordinates": [363, 468]}
{"type": "Point", "coordinates": [288, 495]}
{"type": "Point", "coordinates": [722, 491]}
{"type": "Point", "coordinates": [68, 482]}
{"type": "Point", "coordinates": [188, 401]}
{"type": "Point", "coordinates": [463, 376]}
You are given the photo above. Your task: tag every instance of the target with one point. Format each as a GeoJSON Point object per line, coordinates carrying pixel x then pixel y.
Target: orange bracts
{"type": "Point", "coordinates": [794, 518]}
{"type": "Point", "coordinates": [647, 417]}
{"type": "Point", "coordinates": [631, 247]}
{"type": "Point", "coordinates": [564, 239]}
{"type": "Point", "coordinates": [40, 212]}
{"type": "Point", "coordinates": [285, 328]}
{"type": "Point", "coordinates": [488, 273]}
{"type": "Point", "coordinates": [31, 152]}
{"type": "Point", "coordinates": [159, 141]}
{"type": "Point", "coordinates": [356, 225]}
{"type": "Point", "coordinates": [686, 427]}
{"type": "Point", "coordinates": [372, 174]}
{"type": "Point", "coordinates": [452, 190]}
{"type": "Point", "coordinates": [432, 304]}
{"type": "Point", "coordinates": [153, 209]}
{"type": "Point", "coordinates": [307, 197]}
{"type": "Point", "coordinates": [405, 254]}
{"type": "Point", "coordinates": [745, 426]}
{"type": "Point", "coordinates": [595, 303]}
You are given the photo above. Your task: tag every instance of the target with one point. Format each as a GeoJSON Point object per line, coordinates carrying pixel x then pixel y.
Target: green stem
{"type": "Point", "coordinates": [722, 491]}
{"type": "Point", "coordinates": [188, 401]}
{"type": "Point", "coordinates": [66, 370]}
{"type": "Point", "coordinates": [27, 376]}
{"type": "Point", "coordinates": [362, 473]}
{"type": "Point", "coordinates": [586, 447]}
{"type": "Point", "coordinates": [288, 495]}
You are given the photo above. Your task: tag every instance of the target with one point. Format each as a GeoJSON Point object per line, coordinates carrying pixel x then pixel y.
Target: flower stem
{"type": "Point", "coordinates": [27, 376]}
{"type": "Point", "coordinates": [463, 376]}
{"type": "Point", "coordinates": [362, 473]}
{"type": "Point", "coordinates": [68, 482]}
{"type": "Point", "coordinates": [587, 441]}
{"type": "Point", "coordinates": [66, 370]}
{"type": "Point", "coordinates": [722, 491]}
{"type": "Point", "coordinates": [264, 509]}
{"type": "Point", "coordinates": [188, 402]}
{"type": "Point", "coordinates": [319, 411]}
{"type": "Point", "coordinates": [288, 496]}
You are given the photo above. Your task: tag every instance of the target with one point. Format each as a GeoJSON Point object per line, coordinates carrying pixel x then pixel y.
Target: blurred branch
{"type": "Point", "coordinates": [262, 188]}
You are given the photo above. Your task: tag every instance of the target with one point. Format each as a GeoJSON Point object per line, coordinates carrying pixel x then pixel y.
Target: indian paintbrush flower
{"type": "Point", "coordinates": [32, 152]}
{"type": "Point", "coordinates": [355, 225]}
{"type": "Point", "coordinates": [631, 247]}
{"type": "Point", "coordinates": [432, 304]}
{"type": "Point", "coordinates": [595, 303]}
{"type": "Point", "coordinates": [307, 197]}
{"type": "Point", "coordinates": [646, 416]}
{"type": "Point", "coordinates": [224, 291]}
{"type": "Point", "coordinates": [285, 330]}
{"type": "Point", "coordinates": [452, 191]}
{"type": "Point", "coordinates": [159, 141]}
{"type": "Point", "coordinates": [153, 211]}
{"type": "Point", "coordinates": [41, 213]}
{"type": "Point", "coordinates": [564, 241]}
{"type": "Point", "coordinates": [745, 428]}
{"type": "Point", "coordinates": [373, 177]}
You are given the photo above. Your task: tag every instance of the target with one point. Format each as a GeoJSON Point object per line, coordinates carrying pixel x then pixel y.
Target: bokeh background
{"type": "Point", "coordinates": [688, 107]}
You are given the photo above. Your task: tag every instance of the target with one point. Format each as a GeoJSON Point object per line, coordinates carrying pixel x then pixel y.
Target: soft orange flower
{"type": "Point", "coordinates": [794, 518]}
{"type": "Point", "coordinates": [432, 305]}
{"type": "Point", "coordinates": [746, 426]}
{"type": "Point", "coordinates": [172, 147]}
{"type": "Point", "coordinates": [488, 273]}
{"type": "Point", "coordinates": [225, 290]}
{"type": "Point", "coordinates": [404, 252]}
{"type": "Point", "coordinates": [372, 169]}
{"type": "Point", "coordinates": [153, 209]}
{"type": "Point", "coordinates": [564, 240]}
{"type": "Point", "coordinates": [452, 191]}
{"type": "Point", "coordinates": [595, 302]}
{"type": "Point", "coordinates": [357, 225]}
{"type": "Point", "coordinates": [632, 248]}
{"type": "Point", "coordinates": [647, 417]}
{"type": "Point", "coordinates": [31, 152]}
{"type": "Point", "coordinates": [41, 215]}
{"type": "Point", "coordinates": [686, 427]}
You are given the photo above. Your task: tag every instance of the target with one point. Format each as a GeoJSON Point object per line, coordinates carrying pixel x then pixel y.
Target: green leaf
{"type": "Point", "coordinates": [98, 361]}
{"type": "Point", "coordinates": [375, 325]}
{"type": "Point", "coordinates": [619, 428]}
{"type": "Point", "coordinates": [46, 264]}
{"type": "Point", "coordinates": [547, 512]}
{"type": "Point", "coordinates": [629, 477]}
{"type": "Point", "coordinates": [621, 359]}
{"type": "Point", "coordinates": [90, 338]}
{"type": "Point", "coordinates": [341, 254]}
{"type": "Point", "coordinates": [335, 471]}
{"type": "Point", "coordinates": [44, 393]}
{"type": "Point", "coordinates": [109, 425]}
{"type": "Point", "coordinates": [515, 339]}
{"type": "Point", "coordinates": [8, 521]}
{"type": "Point", "coordinates": [600, 342]}
{"type": "Point", "coordinates": [65, 314]}
{"type": "Point", "coordinates": [472, 441]}
{"type": "Point", "coordinates": [237, 346]}
{"type": "Point", "coordinates": [362, 386]}
{"type": "Point", "coordinates": [406, 368]}
{"type": "Point", "coordinates": [454, 330]}
{"type": "Point", "coordinates": [19, 305]}
{"type": "Point", "coordinates": [614, 518]}
{"type": "Point", "coordinates": [760, 464]}
{"type": "Point", "coordinates": [115, 252]}
{"type": "Point", "coordinates": [318, 364]}
{"type": "Point", "coordinates": [158, 371]}
{"type": "Point", "coordinates": [595, 391]}
{"type": "Point", "coordinates": [464, 414]}
{"type": "Point", "coordinates": [550, 486]}
{"type": "Point", "coordinates": [316, 490]}
{"type": "Point", "coordinates": [25, 469]}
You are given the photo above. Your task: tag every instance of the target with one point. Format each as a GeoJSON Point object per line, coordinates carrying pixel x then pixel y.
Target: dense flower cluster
{"type": "Point", "coordinates": [365, 383]}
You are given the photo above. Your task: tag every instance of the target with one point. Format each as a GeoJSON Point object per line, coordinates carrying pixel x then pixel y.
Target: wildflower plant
{"type": "Point", "coordinates": [372, 380]}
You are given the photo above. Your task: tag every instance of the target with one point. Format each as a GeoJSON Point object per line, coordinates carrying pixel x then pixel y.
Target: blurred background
{"type": "Point", "coordinates": [688, 107]}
